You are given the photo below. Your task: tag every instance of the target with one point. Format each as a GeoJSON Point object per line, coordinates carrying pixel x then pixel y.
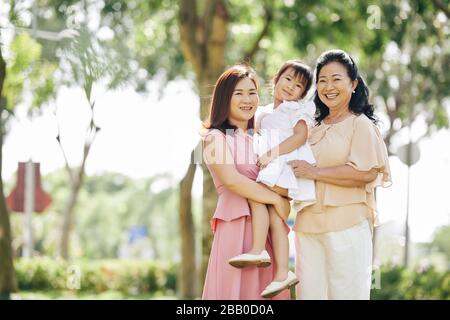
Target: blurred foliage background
{"type": "Point", "coordinates": [149, 238]}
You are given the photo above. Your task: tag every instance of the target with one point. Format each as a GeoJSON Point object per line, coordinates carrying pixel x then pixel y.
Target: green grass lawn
{"type": "Point", "coordinates": [75, 295]}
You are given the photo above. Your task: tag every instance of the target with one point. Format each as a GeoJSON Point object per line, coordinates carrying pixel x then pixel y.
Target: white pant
{"type": "Point", "coordinates": [334, 265]}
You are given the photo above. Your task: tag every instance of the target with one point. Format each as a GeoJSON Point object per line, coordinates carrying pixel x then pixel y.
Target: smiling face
{"type": "Point", "coordinates": [289, 87]}
{"type": "Point", "coordinates": [244, 102]}
{"type": "Point", "coordinates": [334, 86]}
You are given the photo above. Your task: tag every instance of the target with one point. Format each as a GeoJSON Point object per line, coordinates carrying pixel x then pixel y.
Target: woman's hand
{"type": "Point", "coordinates": [303, 169]}
{"type": "Point", "coordinates": [282, 207]}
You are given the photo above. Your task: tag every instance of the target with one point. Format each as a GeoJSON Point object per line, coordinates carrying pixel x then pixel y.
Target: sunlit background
{"type": "Point", "coordinates": [127, 208]}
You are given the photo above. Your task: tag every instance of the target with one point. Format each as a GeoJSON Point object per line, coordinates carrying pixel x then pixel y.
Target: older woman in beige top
{"type": "Point", "coordinates": [334, 236]}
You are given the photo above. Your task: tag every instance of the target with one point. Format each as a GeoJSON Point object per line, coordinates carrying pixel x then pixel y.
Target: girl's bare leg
{"type": "Point", "coordinates": [260, 226]}
{"type": "Point", "coordinates": [282, 192]}
{"type": "Point", "coordinates": [280, 244]}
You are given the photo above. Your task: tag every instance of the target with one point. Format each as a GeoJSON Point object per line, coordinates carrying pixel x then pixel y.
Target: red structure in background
{"type": "Point", "coordinates": [15, 200]}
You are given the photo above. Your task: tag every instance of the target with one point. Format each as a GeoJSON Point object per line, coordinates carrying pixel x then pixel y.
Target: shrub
{"type": "Point", "coordinates": [398, 283]}
{"type": "Point", "coordinates": [157, 278]}
{"type": "Point", "coordinates": [128, 276]}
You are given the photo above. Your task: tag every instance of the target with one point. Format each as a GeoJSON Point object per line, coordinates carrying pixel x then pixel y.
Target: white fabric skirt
{"type": "Point", "coordinates": [279, 173]}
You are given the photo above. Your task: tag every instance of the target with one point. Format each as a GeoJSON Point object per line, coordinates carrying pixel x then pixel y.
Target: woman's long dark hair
{"type": "Point", "coordinates": [359, 103]}
{"type": "Point", "coordinates": [221, 99]}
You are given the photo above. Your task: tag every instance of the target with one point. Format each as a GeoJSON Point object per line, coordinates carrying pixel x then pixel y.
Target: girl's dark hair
{"type": "Point", "coordinates": [221, 98]}
{"type": "Point", "coordinates": [301, 70]}
{"type": "Point", "coordinates": [359, 103]}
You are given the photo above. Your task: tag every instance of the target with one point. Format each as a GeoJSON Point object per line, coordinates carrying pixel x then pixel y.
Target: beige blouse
{"type": "Point", "coordinates": [357, 142]}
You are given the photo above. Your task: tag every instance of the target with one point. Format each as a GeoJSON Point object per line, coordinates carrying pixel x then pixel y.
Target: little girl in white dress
{"type": "Point", "coordinates": [276, 125]}
{"type": "Point", "coordinates": [282, 131]}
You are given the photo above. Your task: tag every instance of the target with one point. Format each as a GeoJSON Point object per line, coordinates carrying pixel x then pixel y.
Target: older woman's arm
{"type": "Point", "coordinates": [220, 162]}
{"type": "Point", "coordinates": [344, 176]}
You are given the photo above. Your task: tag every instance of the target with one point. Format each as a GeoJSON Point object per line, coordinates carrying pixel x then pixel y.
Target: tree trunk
{"type": "Point", "coordinates": [208, 208]}
{"type": "Point", "coordinates": [209, 199]}
{"type": "Point", "coordinates": [7, 274]}
{"type": "Point", "coordinates": [203, 40]}
{"type": "Point", "coordinates": [188, 283]}
{"type": "Point", "coordinates": [76, 181]}
{"type": "Point", "coordinates": [68, 219]}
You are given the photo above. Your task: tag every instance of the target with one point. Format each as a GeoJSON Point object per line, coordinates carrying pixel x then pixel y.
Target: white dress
{"type": "Point", "coordinates": [275, 126]}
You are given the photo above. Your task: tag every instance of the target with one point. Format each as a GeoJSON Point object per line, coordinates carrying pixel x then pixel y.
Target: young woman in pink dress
{"type": "Point", "coordinates": [229, 156]}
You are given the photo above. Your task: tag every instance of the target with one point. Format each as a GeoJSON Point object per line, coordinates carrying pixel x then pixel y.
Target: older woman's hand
{"type": "Point", "coordinates": [303, 169]}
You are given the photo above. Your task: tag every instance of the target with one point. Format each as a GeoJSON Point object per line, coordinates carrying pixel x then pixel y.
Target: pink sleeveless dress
{"type": "Point", "coordinates": [232, 228]}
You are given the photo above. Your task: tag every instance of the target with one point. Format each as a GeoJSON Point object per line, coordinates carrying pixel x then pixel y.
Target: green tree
{"type": "Point", "coordinates": [7, 275]}
{"type": "Point", "coordinates": [164, 36]}
{"type": "Point", "coordinates": [195, 40]}
{"type": "Point", "coordinates": [218, 33]}
{"type": "Point", "coordinates": [23, 72]}
{"type": "Point", "coordinates": [410, 71]}
{"type": "Point", "coordinates": [113, 203]}
{"type": "Point", "coordinates": [441, 242]}
{"type": "Point", "coordinates": [27, 72]}
{"type": "Point", "coordinates": [107, 206]}
{"type": "Point", "coordinates": [83, 61]}
{"type": "Point", "coordinates": [401, 48]}
{"type": "Point", "coordinates": [90, 62]}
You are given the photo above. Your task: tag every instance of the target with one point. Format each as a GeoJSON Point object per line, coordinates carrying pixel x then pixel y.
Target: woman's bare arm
{"type": "Point", "coordinates": [220, 161]}
{"type": "Point", "coordinates": [344, 175]}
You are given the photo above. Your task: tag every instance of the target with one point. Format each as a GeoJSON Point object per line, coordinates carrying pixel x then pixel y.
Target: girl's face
{"type": "Point", "coordinates": [334, 86]}
{"type": "Point", "coordinates": [244, 102]}
{"type": "Point", "coordinates": [288, 87]}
